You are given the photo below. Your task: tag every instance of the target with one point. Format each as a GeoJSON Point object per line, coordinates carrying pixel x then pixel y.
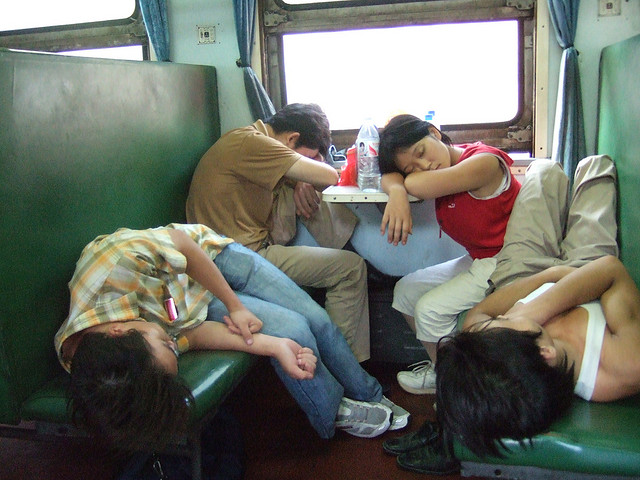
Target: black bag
{"type": "Point", "coordinates": [222, 456]}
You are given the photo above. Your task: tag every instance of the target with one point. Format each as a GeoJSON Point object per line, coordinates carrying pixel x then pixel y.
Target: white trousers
{"type": "Point", "coordinates": [434, 296]}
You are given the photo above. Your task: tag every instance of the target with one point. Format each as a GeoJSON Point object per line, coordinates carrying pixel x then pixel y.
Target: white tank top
{"type": "Point", "coordinates": [593, 344]}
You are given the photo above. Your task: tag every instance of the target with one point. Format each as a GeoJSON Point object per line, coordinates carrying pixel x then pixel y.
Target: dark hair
{"type": "Point", "coordinates": [493, 384]}
{"type": "Point", "coordinates": [121, 396]}
{"type": "Point", "coordinates": [308, 120]}
{"type": "Point", "coordinates": [402, 131]}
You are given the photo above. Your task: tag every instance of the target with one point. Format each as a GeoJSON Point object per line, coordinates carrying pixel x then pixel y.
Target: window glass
{"type": "Point", "coordinates": [131, 52]}
{"type": "Point", "coordinates": [22, 14]}
{"type": "Point", "coordinates": [381, 72]}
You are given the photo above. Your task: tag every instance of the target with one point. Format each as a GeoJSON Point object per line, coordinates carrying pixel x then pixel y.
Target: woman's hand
{"type": "Point", "coordinates": [244, 323]}
{"type": "Point", "coordinates": [397, 217]}
{"type": "Point", "coordinates": [299, 362]}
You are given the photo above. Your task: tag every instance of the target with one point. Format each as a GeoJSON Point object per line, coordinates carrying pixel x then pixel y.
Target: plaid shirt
{"type": "Point", "coordinates": [127, 276]}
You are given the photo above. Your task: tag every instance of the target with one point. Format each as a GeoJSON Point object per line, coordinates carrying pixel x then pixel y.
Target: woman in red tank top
{"type": "Point", "coordinates": [474, 192]}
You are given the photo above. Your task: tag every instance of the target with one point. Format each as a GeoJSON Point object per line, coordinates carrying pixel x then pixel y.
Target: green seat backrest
{"type": "Point", "coordinates": [619, 137]}
{"type": "Point", "coordinates": [86, 146]}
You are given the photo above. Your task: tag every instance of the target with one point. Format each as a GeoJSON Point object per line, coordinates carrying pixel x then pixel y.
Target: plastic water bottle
{"type": "Point", "coordinates": [368, 169]}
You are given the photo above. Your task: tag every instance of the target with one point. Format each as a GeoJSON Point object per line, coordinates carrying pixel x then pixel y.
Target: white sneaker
{"type": "Point", "coordinates": [400, 417]}
{"type": "Point", "coordinates": [420, 380]}
{"type": "Point", "coordinates": [363, 419]}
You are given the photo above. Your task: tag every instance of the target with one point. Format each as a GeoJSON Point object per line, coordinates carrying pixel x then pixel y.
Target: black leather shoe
{"type": "Point", "coordinates": [430, 459]}
{"type": "Point", "coordinates": [425, 435]}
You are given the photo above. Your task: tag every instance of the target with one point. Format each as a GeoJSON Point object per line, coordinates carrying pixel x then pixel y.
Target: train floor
{"type": "Point", "coordinates": [279, 443]}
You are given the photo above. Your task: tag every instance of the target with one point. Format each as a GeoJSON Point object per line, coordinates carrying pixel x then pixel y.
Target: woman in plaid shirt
{"type": "Point", "coordinates": [139, 298]}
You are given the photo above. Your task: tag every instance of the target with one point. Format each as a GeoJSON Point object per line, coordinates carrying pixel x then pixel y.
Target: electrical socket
{"type": "Point", "coordinates": [608, 8]}
{"type": "Point", "coordinates": [206, 34]}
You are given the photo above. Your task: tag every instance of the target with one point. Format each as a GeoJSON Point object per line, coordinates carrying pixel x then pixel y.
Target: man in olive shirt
{"type": "Point", "coordinates": [235, 188]}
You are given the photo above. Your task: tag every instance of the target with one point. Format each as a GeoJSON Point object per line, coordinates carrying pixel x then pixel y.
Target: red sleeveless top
{"type": "Point", "coordinates": [476, 224]}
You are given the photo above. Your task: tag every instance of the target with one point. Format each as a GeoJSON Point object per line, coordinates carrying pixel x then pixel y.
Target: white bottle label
{"type": "Point", "coordinates": [368, 169]}
{"type": "Point", "coordinates": [368, 148]}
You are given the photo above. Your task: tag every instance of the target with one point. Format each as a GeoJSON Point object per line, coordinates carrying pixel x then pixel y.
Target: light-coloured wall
{"type": "Point", "coordinates": [184, 17]}
{"type": "Point", "coordinates": [593, 34]}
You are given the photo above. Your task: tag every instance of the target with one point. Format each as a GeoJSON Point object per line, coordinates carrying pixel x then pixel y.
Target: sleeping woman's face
{"type": "Point", "coordinates": [163, 348]}
{"type": "Point", "coordinates": [429, 153]}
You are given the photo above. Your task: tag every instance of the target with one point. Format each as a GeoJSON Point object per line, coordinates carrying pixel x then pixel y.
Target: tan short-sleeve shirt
{"type": "Point", "coordinates": [232, 187]}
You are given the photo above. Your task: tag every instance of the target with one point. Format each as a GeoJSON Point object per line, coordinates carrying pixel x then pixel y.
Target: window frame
{"type": "Point", "coordinates": [81, 36]}
{"type": "Point", "coordinates": [337, 4]}
{"type": "Point", "coordinates": [277, 19]}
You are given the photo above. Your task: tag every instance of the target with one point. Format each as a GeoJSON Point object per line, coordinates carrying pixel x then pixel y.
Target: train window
{"type": "Point", "coordinates": [130, 52]}
{"type": "Point", "coordinates": [110, 28]}
{"type": "Point", "coordinates": [472, 67]}
{"type": "Point", "coordinates": [384, 71]}
{"type": "Point", "coordinates": [45, 13]}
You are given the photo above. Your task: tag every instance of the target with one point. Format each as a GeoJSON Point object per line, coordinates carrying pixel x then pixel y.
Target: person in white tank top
{"type": "Point", "coordinates": [596, 327]}
{"type": "Point", "coordinates": [579, 334]}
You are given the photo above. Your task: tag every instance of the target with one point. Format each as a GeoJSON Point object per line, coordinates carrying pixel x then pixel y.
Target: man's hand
{"type": "Point", "coordinates": [306, 199]}
{"type": "Point", "coordinates": [244, 323]}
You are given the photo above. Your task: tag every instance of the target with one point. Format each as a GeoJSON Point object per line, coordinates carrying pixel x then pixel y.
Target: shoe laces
{"type": "Point", "coordinates": [421, 367]}
{"type": "Point", "coordinates": [360, 414]}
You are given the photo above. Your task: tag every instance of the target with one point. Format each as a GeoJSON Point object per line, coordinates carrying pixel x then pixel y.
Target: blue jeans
{"type": "Point", "coordinates": [288, 312]}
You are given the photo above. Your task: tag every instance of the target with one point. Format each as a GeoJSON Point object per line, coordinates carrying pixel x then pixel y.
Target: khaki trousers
{"type": "Point", "coordinates": [343, 274]}
{"type": "Point", "coordinates": [548, 228]}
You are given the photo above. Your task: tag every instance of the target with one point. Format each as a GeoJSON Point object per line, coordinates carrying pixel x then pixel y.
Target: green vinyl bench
{"type": "Point", "coordinates": [88, 146]}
